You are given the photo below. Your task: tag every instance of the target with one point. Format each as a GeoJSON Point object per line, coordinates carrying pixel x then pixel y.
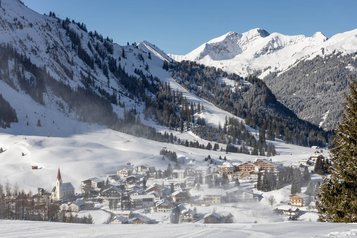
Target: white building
{"type": "Point", "coordinates": [62, 191]}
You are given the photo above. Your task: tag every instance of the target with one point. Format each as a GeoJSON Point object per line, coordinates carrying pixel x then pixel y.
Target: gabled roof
{"type": "Point", "coordinates": [119, 190]}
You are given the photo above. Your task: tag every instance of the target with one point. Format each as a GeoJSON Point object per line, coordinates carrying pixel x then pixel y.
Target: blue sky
{"type": "Point", "coordinates": [180, 26]}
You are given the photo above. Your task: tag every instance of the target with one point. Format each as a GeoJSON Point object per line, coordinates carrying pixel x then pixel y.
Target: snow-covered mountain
{"type": "Point", "coordinates": [309, 74]}
{"type": "Point", "coordinates": [261, 53]}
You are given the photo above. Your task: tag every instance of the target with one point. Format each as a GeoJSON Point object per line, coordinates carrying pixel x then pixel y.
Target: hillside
{"type": "Point", "coordinates": [66, 71]}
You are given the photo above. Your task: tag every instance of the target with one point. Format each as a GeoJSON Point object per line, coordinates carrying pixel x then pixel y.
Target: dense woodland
{"type": "Point", "coordinates": [325, 82]}
{"type": "Point", "coordinates": [7, 113]}
{"type": "Point", "coordinates": [250, 99]}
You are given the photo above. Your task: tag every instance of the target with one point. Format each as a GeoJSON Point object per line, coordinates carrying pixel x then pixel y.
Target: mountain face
{"type": "Point", "coordinates": [315, 89]}
{"type": "Point", "coordinates": [54, 73]}
{"type": "Point", "coordinates": [276, 57]}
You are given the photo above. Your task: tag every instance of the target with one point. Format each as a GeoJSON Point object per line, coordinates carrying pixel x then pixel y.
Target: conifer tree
{"type": "Point", "coordinates": [337, 197]}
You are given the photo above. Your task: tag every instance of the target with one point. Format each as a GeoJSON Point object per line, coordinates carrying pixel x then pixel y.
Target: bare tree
{"type": "Point", "coordinates": [271, 200]}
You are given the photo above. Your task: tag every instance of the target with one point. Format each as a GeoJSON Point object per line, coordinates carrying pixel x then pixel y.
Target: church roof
{"type": "Point", "coordinates": [67, 187]}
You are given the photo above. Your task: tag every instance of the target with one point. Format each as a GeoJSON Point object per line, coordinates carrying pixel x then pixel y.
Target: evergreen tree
{"type": "Point", "coordinates": [306, 177]}
{"type": "Point", "coordinates": [260, 180]}
{"type": "Point", "coordinates": [337, 198]}
{"type": "Point", "coordinates": [296, 183]}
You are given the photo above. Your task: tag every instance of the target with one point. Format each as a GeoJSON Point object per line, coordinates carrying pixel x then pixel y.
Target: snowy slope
{"type": "Point", "coordinates": [80, 149]}
{"type": "Point", "coordinates": [261, 53]}
{"type": "Point", "coordinates": [99, 152]}
{"type": "Point", "coordinates": [12, 229]}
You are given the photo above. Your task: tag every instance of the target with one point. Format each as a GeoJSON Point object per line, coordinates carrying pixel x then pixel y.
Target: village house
{"type": "Point", "coordinates": [264, 164]}
{"type": "Point", "coordinates": [202, 173]}
{"type": "Point", "coordinates": [120, 220]}
{"type": "Point", "coordinates": [42, 197]}
{"type": "Point", "coordinates": [92, 184]}
{"type": "Point", "coordinates": [225, 168]}
{"type": "Point", "coordinates": [186, 215]}
{"type": "Point", "coordinates": [141, 169]}
{"type": "Point", "coordinates": [113, 192]}
{"type": "Point", "coordinates": [125, 171]}
{"type": "Point", "coordinates": [178, 173]}
{"type": "Point", "coordinates": [247, 167]}
{"type": "Point", "coordinates": [180, 196]}
{"type": "Point", "coordinates": [69, 208]}
{"type": "Point", "coordinates": [140, 219]}
{"type": "Point", "coordinates": [163, 206]}
{"type": "Point", "coordinates": [214, 198]}
{"type": "Point", "coordinates": [222, 217]}
{"type": "Point", "coordinates": [142, 201]}
{"type": "Point", "coordinates": [152, 173]}
{"type": "Point", "coordinates": [296, 200]}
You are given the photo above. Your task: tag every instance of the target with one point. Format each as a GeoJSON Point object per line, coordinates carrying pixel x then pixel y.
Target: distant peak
{"type": "Point", "coordinates": [256, 32]}
{"type": "Point", "coordinates": [319, 35]}
{"type": "Point", "coordinates": [231, 35]}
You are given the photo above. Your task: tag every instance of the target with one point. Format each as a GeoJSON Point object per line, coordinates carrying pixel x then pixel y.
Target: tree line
{"type": "Point", "coordinates": [16, 204]}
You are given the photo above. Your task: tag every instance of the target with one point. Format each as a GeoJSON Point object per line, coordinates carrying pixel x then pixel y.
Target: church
{"type": "Point", "coordinates": [62, 191]}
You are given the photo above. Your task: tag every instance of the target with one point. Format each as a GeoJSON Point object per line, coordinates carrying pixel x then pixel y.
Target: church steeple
{"type": "Point", "coordinates": [58, 190]}
{"type": "Point", "coordinates": [59, 178]}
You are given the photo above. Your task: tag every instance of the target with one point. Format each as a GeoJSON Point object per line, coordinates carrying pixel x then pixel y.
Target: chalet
{"type": "Point", "coordinates": [131, 179]}
{"type": "Point", "coordinates": [296, 200]}
{"type": "Point", "coordinates": [180, 196]}
{"type": "Point", "coordinates": [178, 173]}
{"type": "Point", "coordinates": [225, 168]}
{"type": "Point", "coordinates": [154, 188]}
{"type": "Point", "coordinates": [152, 173]}
{"type": "Point", "coordinates": [125, 203]}
{"type": "Point", "coordinates": [142, 201]}
{"type": "Point", "coordinates": [212, 199]}
{"type": "Point", "coordinates": [141, 169]}
{"type": "Point", "coordinates": [70, 207]}
{"type": "Point", "coordinates": [112, 192]}
{"type": "Point", "coordinates": [179, 186]}
{"type": "Point", "coordinates": [92, 184]}
{"type": "Point", "coordinates": [236, 194]}
{"type": "Point", "coordinates": [264, 164]}
{"type": "Point", "coordinates": [120, 220]}
{"type": "Point", "coordinates": [187, 216]}
{"type": "Point", "coordinates": [42, 198]}
{"type": "Point", "coordinates": [163, 206]}
{"type": "Point", "coordinates": [113, 179]}
{"type": "Point", "coordinates": [202, 173]}
{"type": "Point", "coordinates": [313, 158]}
{"type": "Point", "coordinates": [247, 167]}
{"type": "Point", "coordinates": [124, 171]}
{"type": "Point", "coordinates": [215, 217]}
{"type": "Point", "coordinates": [140, 219]}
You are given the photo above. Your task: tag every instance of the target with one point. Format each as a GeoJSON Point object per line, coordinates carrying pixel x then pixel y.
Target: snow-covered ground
{"type": "Point", "coordinates": [99, 152]}
{"type": "Point", "coordinates": [16, 229]}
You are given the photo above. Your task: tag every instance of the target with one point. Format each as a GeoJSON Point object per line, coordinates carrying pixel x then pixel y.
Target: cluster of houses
{"type": "Point", "coordinates": [146, 189]}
